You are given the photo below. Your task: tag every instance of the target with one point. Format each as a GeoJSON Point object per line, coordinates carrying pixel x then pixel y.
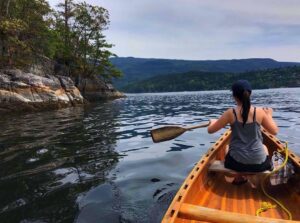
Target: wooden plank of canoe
{"type": "Point", "coordinates": [199, 213]}
{"type": "Point", "coordinates": [218, 166]}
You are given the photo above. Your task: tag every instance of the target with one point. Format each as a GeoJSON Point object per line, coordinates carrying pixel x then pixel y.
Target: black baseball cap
{"type": "Point", "coordinates": [241, 86]}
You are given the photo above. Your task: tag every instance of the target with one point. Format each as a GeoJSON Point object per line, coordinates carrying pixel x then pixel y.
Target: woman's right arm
{"type": "Point", "coordinates": [268, 123]}
{"type": "Point", "coordinates": [216, 124]}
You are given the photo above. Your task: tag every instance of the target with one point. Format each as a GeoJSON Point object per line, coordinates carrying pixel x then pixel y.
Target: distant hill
{"type": "Point", "coordinates": [198, 80]}
{"type": "Point", "coordinates": [137, 69]}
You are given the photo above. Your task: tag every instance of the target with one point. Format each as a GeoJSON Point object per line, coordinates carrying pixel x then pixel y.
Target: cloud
{"type": "Point", "coordinates": [195, 29]}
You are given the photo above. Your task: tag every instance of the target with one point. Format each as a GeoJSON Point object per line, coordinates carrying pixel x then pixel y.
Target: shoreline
{"type": "Point", "coordinates": [204, 91]}
{"type": "Point", "coordinates": [22, 91]}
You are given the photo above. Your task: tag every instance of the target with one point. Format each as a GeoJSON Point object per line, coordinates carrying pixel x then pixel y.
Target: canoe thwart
{"type": "Point", "coordinates": [200, 213]}
{"type": "Point", "coordinates": [218, 166]}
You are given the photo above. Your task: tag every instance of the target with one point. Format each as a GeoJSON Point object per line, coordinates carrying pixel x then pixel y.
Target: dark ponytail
{"type": "Point", "coordinates": [241, 90]}
{"type": "Point", "coordinates": [246, 104]}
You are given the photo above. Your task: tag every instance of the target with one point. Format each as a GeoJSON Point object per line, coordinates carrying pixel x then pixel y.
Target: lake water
{"type": "Point", "coordinates": [98, 164]}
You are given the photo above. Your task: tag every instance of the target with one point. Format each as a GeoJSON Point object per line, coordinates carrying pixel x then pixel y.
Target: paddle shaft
{"type": "Point", "coordinates": [197, 126]}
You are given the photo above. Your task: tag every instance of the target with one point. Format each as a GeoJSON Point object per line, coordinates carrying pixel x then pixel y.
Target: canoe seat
{"type": "Point", "coordinates": [218, 166]}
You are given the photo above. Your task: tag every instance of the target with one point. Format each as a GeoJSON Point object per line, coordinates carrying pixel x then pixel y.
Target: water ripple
{"type": "Point", "coordinates": [99, 164]}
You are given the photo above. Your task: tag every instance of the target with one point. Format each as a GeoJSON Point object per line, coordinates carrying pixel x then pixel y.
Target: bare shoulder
{"type": "Point", "coordinates": [259, 110]}
{"type": "Point", "coordinates": [228, 112]}
{"type": "Point", "coordinates": [229, 115]}
{"type": "Point", "coordinates": [264, 110]}
{"type": "Point", "coordinates": [260, 113]}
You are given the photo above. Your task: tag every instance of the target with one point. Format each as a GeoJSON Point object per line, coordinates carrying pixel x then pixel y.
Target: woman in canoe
{"type": "Point", "coordinates": [246, 152]}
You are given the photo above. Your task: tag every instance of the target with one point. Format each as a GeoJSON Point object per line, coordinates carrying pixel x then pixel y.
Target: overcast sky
{"type": "Point", "coordinates": [204, 29]}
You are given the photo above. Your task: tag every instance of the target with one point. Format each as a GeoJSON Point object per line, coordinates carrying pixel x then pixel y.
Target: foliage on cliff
{"type": "Point", "coordinates": [198, 81]}
{"type": "Point", "coordinates": [71, 34]}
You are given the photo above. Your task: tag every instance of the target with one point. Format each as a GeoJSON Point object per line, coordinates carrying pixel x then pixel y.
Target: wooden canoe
{"type": "Point", "coordinates": [205, 196]}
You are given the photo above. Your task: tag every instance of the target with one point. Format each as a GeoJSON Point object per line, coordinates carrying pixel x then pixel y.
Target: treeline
{"type": "Point", "coordinates": [71, 34]}
{"type": "Point", "coordinates": [199, 81]}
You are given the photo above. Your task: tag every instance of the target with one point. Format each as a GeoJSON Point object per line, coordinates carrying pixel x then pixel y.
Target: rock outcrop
{"type": "Point", "coordinates": [20, 91]}
{"type": "Point", "coordinates": [25, 91]}
{"type": "Point", "coordinates": [94, 89]}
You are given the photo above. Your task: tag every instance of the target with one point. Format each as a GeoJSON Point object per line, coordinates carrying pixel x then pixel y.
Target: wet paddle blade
{"type": "Point", "coordinates": [166, 133]}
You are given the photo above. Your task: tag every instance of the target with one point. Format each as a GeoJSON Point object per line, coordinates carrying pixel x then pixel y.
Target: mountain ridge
{"type": "Point", "coordinates": [138, 69]}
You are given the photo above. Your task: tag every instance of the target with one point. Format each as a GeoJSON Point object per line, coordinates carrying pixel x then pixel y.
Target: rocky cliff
{"type": "Point", "coordinates": [20, 91]}
{"type": "Point", "coordinates": [94, 89]}
{"type": "Point", "coordinates": [25, 91]}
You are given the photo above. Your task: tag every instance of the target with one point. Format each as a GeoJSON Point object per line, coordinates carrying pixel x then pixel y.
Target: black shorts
{"type": "Point", "coordinates": [231, 163]}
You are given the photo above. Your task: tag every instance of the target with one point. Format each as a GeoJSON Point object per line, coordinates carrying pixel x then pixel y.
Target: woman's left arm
{"type": "Point", "coordinates": [217, 124]}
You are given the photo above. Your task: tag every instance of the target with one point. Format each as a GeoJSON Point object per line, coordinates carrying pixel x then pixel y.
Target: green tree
{"type": "Point", "coordinates": [91, 48]}
{"type": "Point", "coordinates": [23, 30]}
{"type": "Point", "coordinates": [85, 50]}
{"type": "Point", "coordinates": [63, 22]}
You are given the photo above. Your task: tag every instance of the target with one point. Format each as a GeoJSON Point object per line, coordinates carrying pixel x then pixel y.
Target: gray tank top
{"type": "Point", "coordinates": [246, 144]}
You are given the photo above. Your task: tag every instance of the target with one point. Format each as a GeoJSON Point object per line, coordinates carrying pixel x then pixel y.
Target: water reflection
{"type": "Point", "coordinates": [49, 159]}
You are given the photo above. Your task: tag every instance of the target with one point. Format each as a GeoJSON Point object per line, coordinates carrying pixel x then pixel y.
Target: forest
{"type": "Point", "coordinates": [199, 80]}
{"type": "Point", "coordinates": [71, 34]}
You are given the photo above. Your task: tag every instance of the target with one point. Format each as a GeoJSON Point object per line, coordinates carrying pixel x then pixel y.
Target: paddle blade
{"type": "Point", "coordinates": [166, 133]}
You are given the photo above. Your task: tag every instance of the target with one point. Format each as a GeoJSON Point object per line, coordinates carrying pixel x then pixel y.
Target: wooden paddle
{"type": "Point", "coordinates": [170, 132]}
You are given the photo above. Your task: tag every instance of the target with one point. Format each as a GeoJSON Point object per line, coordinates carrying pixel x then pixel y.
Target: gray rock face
{"type": "Point", "coordinates": [20, 91]}
{"type": "Point", "coordinates": [94, 89]}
